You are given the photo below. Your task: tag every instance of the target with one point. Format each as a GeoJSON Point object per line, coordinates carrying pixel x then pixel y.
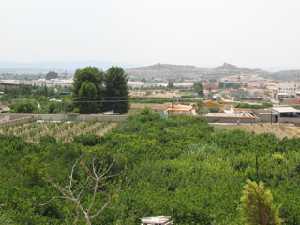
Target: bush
{"type": "Point", "coordinates": [88, 139]}
{"type": "Point", "coordinates": [25, 107]}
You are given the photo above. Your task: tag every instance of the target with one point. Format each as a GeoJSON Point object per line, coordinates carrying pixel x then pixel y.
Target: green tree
{"type": "Point", "coordinates": [116, 93]}
{"type": "Point", "coordinates": [198, 88]}
{"type": "Point", "coordinates": [257, 205]}
{"type": "Point", "coordinates": [51, 75]}
{"type": "Point", "coordinates": [88, 90]}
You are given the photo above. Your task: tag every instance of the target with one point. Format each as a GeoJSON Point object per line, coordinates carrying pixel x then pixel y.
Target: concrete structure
{"type": "Point", "coordinates": [288, 89]}
{"type": "Point", "coordinates": [158, 220]}
{"type": "Point", "coordinates": [243, 117]}
{"type": "Point", "coordinates": [179, 109]}
{"type": "Point", "coordinates": [286, 115]}
{"type": "Point", "coordinates": [13, 84]}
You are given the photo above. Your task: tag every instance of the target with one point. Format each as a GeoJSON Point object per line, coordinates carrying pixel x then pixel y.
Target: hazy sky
{"type": "Point", "coordinates": [256, 33]}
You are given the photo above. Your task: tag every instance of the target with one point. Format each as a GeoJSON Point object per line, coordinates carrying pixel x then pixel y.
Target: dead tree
{"type": "Point", "coordinates": [95, 180]}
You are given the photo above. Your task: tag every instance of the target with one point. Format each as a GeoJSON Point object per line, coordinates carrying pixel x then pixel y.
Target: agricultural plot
{"type": "Point", "coordinates": [65, 132]}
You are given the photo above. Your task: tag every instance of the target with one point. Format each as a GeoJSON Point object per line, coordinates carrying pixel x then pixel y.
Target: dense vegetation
{"type": "Point", "coordinates": [37, 99]}
{"type": "Point", "coordinates": [175, 166]}
{"type": "Point", "coordinates": [244, 105]}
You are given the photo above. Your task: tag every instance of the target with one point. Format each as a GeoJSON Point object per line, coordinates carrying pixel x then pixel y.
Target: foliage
{"type": "Point", "coordinates": [88, 89]}
{"type": "Point", "coordinates": [254, 106]}
{"type": "Point", "coordinates": [116, 92]}
{"type": "Point", "coordinates": [51, 75]}
{"type": "Point", "coordinates": [178, 166]}
{"type": "Point", "coordinates": [25, 106]}
{"type": "Point", "coordinates": [198, 88]}
{"type": "Point", "coordinates": [257, 205]}
{"type": "Point", "coordinates": [88, 139]}
{"type": "Point", "coordinates": [96, 91]}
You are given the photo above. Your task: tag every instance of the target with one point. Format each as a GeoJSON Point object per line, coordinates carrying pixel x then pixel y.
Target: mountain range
{"type": "Point", "coordinates": [182, 72]}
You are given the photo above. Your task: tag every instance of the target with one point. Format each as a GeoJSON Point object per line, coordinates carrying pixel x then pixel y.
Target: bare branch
{"type": "Point", "coordinates": [100, 210]}
{"type": "Point", "coordinates": [74, 192]}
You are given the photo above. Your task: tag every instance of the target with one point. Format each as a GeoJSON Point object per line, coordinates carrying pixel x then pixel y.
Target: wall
{"type": "Point", "coordinates": [229, 120]}
{"type": "Point", "coordinates": [68, 117]}
{"type": "Point", "coordinates": [7, 121]}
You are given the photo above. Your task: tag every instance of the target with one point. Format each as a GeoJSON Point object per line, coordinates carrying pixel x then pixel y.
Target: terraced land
{"type": "Point", "coordinates": [63, 131]}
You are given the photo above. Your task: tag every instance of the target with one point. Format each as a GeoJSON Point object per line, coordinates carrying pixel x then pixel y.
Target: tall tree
{"type": "Point", "coordinates": [257, 205]}
{"type": "Point", "coordinates": [198, 88]}
{"type": "Point", "coordinates": [116, 92]}
{"type": "Point", "coordinates": [88, 90]}
{"type": "Point", "coordinates": [51, 75]}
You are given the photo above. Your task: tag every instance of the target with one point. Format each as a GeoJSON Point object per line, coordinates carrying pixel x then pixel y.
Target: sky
{"type": "Point", "coordinates": [253, 33]}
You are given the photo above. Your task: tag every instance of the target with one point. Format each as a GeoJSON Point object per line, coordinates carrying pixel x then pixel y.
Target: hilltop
{"type": "Point", "coordinates": [167, 71]}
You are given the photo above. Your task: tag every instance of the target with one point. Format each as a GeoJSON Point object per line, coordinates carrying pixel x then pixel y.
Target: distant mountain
{"type": "Point", "coordinates": [167, 72]}
{"type": "Point", "coordinates": [285, 75]}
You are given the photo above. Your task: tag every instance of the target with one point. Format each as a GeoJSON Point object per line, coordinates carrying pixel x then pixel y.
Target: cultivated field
{"type": "Point", "coordinates": [65, 132]}
{"type": "Point", "coordinates": [280, 130]}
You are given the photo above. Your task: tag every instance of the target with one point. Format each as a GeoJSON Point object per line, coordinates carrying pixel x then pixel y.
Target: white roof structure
{"type": "Point", "coordinates": [231, 115]}
{"type": "Point", "coordinates": [285, 110]}
{"type": "Point", "coordinates": [157, 220]}
{"type": "Point", "coordinates": [180, 107]}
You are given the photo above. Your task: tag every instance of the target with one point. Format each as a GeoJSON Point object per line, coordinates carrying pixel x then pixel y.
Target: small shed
{"type": "Point", "coordinates": [157, 220]}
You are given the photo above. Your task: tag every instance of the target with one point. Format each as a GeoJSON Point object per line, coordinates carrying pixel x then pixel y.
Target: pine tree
{"type": "Point", "coordinates": [257, 205]}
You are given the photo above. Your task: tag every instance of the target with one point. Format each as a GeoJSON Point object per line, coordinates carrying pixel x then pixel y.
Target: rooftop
{"type": "Point", "coordinates": [285, 110]}
{"type": "Point", "coordinates": [231, 115]}
{"type": "Point", "coordinates": [180, 107]}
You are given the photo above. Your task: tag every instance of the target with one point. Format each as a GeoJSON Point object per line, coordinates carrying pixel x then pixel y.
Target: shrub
{"type": "Point", "coordinates": [257, 205]}
{"type": "Point", "coordinates": [88, 139]}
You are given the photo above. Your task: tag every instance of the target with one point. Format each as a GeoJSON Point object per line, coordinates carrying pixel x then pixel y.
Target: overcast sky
{"type": "Point", "coordinates": [255, 33]}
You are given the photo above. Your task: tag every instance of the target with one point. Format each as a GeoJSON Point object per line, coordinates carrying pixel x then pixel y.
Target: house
{"type": "Point", "coordinates": [158, 220]}
{"type": "Point", "coordinates": [286, 114]}
{"type": "Point", "coordinates": [179, 109]}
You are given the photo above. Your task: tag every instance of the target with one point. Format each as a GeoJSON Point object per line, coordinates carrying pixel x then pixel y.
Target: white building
{"type": "Point", "coordinates": [288, 89]}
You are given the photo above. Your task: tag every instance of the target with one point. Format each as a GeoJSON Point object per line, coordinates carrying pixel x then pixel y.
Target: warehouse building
{"type": "Point", "coordinates": [286, 115]}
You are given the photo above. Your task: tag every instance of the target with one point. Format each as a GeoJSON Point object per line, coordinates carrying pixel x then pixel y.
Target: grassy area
{"type": "Point", "coordinates": [280, 130]}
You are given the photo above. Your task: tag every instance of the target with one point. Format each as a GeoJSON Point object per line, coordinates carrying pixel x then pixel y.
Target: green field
{"type": "Point", "coordinates": [179, 166]}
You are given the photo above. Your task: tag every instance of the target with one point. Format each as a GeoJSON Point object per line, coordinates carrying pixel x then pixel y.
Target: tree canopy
{"type": "Point", "coordinates": [96, 91]}
{"type": "Point", "coordinates": [116, 90]}
{"type": "Point", "coordinates": [198, 88]}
